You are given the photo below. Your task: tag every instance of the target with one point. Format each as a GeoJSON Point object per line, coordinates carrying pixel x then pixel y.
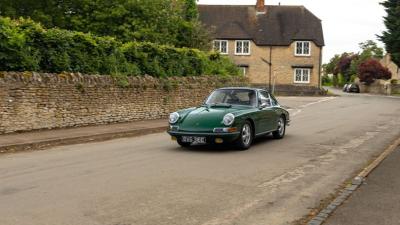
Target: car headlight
{"type": "Point", "coordinates": [228, 119]}
{"type": "Point", "coordinates": [173, 117]}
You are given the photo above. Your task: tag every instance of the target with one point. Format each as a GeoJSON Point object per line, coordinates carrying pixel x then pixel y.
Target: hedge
{"type": "Point", "coordinates": [27, 46]}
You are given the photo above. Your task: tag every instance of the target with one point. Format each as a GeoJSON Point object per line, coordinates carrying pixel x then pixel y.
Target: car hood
{"type": "Point", "coordinates": [205, 119]}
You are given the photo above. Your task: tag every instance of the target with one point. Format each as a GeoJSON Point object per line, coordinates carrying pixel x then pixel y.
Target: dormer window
{"type": "Point", "coordinates": [242, 47]}
{"type": "Point", "coordinates": [221, 46]}
{"type": "Point", "coordinates": [303, 48]}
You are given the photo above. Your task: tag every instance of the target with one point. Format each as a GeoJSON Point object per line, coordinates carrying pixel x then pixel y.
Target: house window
{"type": "Point", "coordinates": [242, 47]}
{"type": "Point", "coordinates": [221, 46]}
{"type": "Point", "coordinates": [302, 75]}
{"type": "Point", "coordinates": [244, 70]}
{"type": "Point", "coordinates": [303, 48]}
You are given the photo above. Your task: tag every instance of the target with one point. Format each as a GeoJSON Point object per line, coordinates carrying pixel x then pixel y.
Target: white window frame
{"type": "Point", "coordinates": [241, 53]}
{"type": "Point", "coordinates": [244, 70]}
{"type": "Point", "coordinates": [302, 48]}
{"type": "Point", "coordinates": [220, 47]}
{"type": "Point", "coordinates": [302, 70]}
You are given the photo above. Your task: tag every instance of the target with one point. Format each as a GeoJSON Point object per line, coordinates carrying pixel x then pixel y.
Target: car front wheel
{"type": "Point", "coordinates": [246, 136]}
{"type": "Point", "coordinates": [280, 132]}
{"type": "Point", "coordinates": [183, 144]}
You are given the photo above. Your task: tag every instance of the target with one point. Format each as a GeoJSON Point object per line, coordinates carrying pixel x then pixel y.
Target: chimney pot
{"type": "Point", "coordinates": [260, 6]}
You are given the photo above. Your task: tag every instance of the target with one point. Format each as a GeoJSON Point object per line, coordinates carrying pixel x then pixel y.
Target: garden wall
{"type": "Point", "coordinates": [382, 87]}
{"type": "Point", "coordinates": [31, 101]}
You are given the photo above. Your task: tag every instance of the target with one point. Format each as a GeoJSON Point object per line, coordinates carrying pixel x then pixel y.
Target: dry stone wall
{"type": "Point", "coordinates": [31, 101]}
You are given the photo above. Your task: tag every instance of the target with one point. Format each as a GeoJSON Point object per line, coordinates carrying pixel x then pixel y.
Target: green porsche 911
{"type": "Point", "coordinates": [230, 115]}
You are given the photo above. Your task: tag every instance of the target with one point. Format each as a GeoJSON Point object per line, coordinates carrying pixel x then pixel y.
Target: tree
{"type": "Point", "coordinates": [329, 68]}
{"type": "Point", "coordinates": [170, 22]}
{"type": "Point", "coordinates": [372, 69]}
{"type": "Point", "coordinates": [369, 50]}
{"type": "Point", "coordinates": [391, 37]}
{"type": "Point", "coordinates": [191, 12]}
{"type": "Point", "coordinates": [344, 64]}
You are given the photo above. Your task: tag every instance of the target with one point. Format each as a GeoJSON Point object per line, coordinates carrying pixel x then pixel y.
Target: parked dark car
{"type": "Point", "coordinates": [345, 87]}
{"type": "Point", "coordinates": [353, 88]}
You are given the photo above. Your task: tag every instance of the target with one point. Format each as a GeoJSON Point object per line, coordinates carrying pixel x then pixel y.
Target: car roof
{"type": "Point", "coordinates": [242, 88]}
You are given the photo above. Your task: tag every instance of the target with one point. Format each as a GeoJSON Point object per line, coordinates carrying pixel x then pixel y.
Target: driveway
{"type": "Point", "coordinates": [150, 180]}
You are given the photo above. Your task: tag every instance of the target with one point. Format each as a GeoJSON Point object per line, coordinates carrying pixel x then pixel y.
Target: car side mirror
{"type": "Point", "coordinates": [263, 105]}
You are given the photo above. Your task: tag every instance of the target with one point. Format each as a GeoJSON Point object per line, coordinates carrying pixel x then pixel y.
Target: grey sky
{"type": "Point", "coordinates": [345, 22]}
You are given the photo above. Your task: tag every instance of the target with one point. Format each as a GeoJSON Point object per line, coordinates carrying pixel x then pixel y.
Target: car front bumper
{"type": "Point", "coordinates": [210, 137]}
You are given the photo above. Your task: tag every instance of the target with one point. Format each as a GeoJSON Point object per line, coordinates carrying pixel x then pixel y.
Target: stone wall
{"type": "Point", "coordinates": [395, 89]}
{"type": "Point", "coordinates": [31, 101]}
{"type": "Point", "coordinates": [382, 87]}
{"type": "Point", "coordinates": [293, 90]}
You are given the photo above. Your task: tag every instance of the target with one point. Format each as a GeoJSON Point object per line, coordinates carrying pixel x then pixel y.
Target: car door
{"type": "Point", "coordinates": [276, 109]}
{"type": "Point", "coordinates": [266, 113]}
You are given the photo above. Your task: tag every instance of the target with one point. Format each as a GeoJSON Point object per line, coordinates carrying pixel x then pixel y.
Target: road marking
{"type": "Point", "coordinates": [300, 108]}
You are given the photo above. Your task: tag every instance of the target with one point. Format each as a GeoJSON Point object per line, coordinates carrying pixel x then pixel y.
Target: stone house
{"type": "Point", "coordinates": [274, 45]}
{"type": "Point", "coordinates": [387, 62]}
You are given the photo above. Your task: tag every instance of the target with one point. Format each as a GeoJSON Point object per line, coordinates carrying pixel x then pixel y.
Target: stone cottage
{"type": "Point", "coordinates": [274, 45]}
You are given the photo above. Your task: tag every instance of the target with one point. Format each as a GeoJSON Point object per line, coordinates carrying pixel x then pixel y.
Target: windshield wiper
{"type": "Point", "coordinates": [221, 105]}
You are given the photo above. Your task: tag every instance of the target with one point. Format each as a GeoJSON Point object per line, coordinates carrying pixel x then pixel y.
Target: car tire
{"type": "Point", "coordinates": [246, 136]}
{"type": "Point", "coordinates": [281, 130]}
{"type": "Point", "coordinates": [183, 144]}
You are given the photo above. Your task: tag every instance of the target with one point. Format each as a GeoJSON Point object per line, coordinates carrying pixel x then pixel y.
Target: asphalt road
{"type": "Point", "coordinates": [149, 180]}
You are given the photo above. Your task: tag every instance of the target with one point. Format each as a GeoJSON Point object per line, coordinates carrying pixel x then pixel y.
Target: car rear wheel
{"type": "Point", "coordinates": [246, 136]}
{"type": "Point", "coordinates": [280, 132]}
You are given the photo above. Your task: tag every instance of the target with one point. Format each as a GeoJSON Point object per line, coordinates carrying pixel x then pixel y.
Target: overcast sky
{"type": "Point", "coordinates": [345, 22]}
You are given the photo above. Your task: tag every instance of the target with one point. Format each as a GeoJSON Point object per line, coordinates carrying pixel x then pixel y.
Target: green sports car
{"type": "Point", "coordinates": [230, 115]}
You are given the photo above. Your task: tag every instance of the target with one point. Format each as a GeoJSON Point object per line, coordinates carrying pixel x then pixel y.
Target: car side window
{"type": "Point", "coordinates": [274, 101]}
{"type": "Point", "coordinates": [264, 98]}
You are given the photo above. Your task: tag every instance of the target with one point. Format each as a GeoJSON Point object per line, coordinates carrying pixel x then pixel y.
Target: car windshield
{"type": "Point", "coordinates": [232, 97]}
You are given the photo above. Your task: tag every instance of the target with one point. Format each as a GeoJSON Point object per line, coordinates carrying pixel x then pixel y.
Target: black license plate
{"type": "Point", "coordinates": [194, 140]}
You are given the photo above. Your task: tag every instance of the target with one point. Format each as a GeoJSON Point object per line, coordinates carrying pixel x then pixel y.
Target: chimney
{"type": "Point", "coordinates": [260, 7]}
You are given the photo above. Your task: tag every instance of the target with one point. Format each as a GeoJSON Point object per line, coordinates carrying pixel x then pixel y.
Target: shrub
{"type": "Point", "coordinates": [341, 80]}
{"type": "Point", "coordinates": [335, 81]}
{"type": "Point", "coordinates": [371, 69]}
{"type": "Point", "coordinates": [327, 81]}
{"type": "Point", "coordinates": [14, 53]}
{"type": "Point", "coordinates": [26, 46]}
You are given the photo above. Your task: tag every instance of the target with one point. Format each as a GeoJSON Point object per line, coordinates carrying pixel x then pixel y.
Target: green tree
{"type": "Point", "coordinates": [169, 22]}
{"type": "Point", "coordinates": [191, 12]}
{"type": "Point", "coordinates": [391, 37]}
{"type": "Point", "coordinates": [369, 50]}
{"type": "Point", "coordinates": [330, 67]}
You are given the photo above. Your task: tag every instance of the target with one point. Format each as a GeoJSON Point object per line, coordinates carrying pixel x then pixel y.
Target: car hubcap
{"type": "Point", "coordinates": [281, 126]}
{"type": "Point", "coordinates": [246, 134]}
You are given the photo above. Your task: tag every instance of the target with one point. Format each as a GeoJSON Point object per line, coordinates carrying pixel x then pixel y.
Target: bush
{"type": "Point", "coordinates": [327, 81]}
{"type": "Point", "coordinates": [341, 80]}
{"type": "Point", "coordinates": [335, 81]}
{"type": "Point", "coordinates": [371, 69]}
{"type": "Point", "coordinates": [26, 46]}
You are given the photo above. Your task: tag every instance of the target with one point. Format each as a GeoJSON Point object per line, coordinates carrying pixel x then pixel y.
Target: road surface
{"type": "Point", "coordinates": [149, 180]}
